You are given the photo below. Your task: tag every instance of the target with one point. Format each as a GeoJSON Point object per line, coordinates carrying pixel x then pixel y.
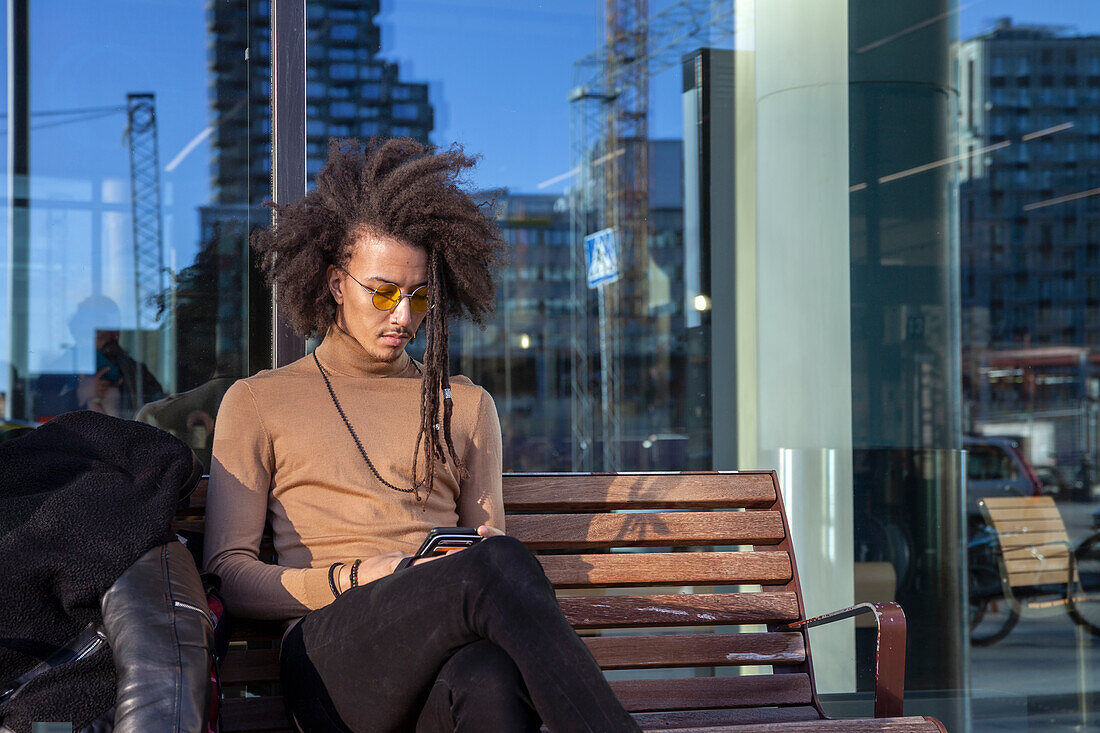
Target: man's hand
{"type": "Point", "coordinates": [92, 386]}
{"type": "Point", "coordinates": [94, 392]}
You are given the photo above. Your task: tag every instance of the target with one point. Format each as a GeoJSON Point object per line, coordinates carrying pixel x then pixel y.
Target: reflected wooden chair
{"type": "Point", "coordinates": [1036, 560]}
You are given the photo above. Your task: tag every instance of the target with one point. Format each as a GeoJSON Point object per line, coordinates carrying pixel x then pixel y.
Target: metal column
{"type": "Point", "coordinates": [18, 404]}
{"type": "Point", "coordinates": [288, 140]}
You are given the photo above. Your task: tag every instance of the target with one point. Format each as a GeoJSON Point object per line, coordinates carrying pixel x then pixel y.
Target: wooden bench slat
{"type": "Point", "coordinates": [1049, 551]}
{"type": "Point", "coordinates": [254, 715]}
{"type": "Point", "coordinates": [674, 609]}
{"type": "Point", "coordinates": [243, 666]}
{"type": "Point", "coordinates": [1030, 564]}
{"type": "Point", "coordinates": [650, 529]}
{"type": "Point", "coordinates": [713, 692]}
{"type": "Point", "coordinates": [1041, 577]}
{"type": "Point", "coordinates": [1029, 539]}
{"type": "Point", "coordinates": [696, 650]}
{"type": "Point", "coordinates": [611, 652]}
{"type": "Point", "coordinates": [1009, 514]}
{"type": "Point", "coordinates": [190, 525]}
{"type": "Point", "coordinates": [614, 612]}
{"type": "Point", "coordinates": [198, 496]}
{"type": "Point", "coordinates": [249, 629]}
{"type": "Point", "coordinates": [1016, 526]}
{"type": "Point", "coordinates": [567, 491]}
{"type": "Point", "coordinates": [1014, 502]}
{"type": "Point", "coordinates": [912, 724]}
{"type": "Point", "coordinates": [265, 715]}
{"type": "Point", "coordinates": [585, 492]}
{"type": "Point", "coordinates": [666, 568]}
{"type": "Point", "coordinates": [680, 720]}
{"type": "Point", "coordinates": [1054, 528]}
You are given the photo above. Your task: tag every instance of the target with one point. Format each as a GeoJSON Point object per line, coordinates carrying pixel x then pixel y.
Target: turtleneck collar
{"type": "Point", "coordinates": [340, 353]}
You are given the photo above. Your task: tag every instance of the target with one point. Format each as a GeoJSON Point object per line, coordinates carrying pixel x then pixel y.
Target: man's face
{"type": "Point", "coordinates": [102, 338]}
{"type": "Point", "coordinates": [374, 262]}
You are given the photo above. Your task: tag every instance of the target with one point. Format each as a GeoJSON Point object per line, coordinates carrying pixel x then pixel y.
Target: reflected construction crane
{"type": "Point", "coordinates": [141, 132]}
{"type": "Point", "coordinates": [609, 142]}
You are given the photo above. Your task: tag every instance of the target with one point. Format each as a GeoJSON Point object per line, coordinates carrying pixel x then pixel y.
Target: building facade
{"type": "Point", "coordinates": [1030, 234]}
{"type": "Point", "coordinates": [350, 90]}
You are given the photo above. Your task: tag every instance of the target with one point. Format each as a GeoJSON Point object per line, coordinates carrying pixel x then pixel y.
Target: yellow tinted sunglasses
{"type": "Point", "coordinates": [387, 296]}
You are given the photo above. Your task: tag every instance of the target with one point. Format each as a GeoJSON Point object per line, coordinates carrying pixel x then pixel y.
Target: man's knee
{"type": "Point", "coordinates": [507, 555]}
{"type": "Point", "coordinates": [481, 671]}
{"type": "Point", "coordinates": [504, 565]}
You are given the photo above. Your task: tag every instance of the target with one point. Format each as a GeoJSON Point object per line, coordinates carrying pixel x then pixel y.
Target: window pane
{"type": "Point", "coordinates": [131, 291]}
{"type": "Point", "coordinates": [575, 392]}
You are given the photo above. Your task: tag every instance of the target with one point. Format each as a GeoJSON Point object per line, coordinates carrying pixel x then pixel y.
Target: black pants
{"type": "Point", "coordinates": [473, 641]}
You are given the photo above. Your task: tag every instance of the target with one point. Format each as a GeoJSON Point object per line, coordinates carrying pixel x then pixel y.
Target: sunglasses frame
{"type": "Point", "coordinates": [400, 295]}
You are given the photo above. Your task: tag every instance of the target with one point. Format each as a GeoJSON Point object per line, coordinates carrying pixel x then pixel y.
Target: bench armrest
{"type": "Point", "coordinates": [889, 651]}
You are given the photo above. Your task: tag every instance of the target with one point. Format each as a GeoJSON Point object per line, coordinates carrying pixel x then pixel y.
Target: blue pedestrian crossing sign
{"type": "Point", "coordinates": [601, 255]}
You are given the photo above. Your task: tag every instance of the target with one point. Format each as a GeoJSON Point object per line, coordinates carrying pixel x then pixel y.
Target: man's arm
{"type": "Point", "coordinates": [480, 500]}
{"type": "Point", "coordinates": [240, 478]}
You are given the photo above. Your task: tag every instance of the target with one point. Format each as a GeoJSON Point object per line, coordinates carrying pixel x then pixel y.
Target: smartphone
{"type": "Point", "coordinates": [114, 374]}
{"type": "Point", "coordinates": [441, 539]}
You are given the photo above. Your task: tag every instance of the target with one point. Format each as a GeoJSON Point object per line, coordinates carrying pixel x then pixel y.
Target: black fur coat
{"type": "Point", "coordinates": [81, 498]}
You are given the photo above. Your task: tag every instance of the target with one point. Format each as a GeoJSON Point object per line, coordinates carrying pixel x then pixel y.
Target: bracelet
{"type": "Point", "coordinates": [332, 578]}
{"type": "Point", "coordinates": [355, 572]}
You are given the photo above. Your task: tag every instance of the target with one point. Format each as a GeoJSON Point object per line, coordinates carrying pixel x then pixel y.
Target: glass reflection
{"type": "Point", "coordinates": [1027, 164]}
{"type": "Point", "coordinates": [127, 283]}
{"type": "Point", "coordinates": [973, 256]}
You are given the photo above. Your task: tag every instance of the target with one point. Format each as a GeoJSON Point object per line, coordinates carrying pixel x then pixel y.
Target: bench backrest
{"type": "Point", "coordinates": [679, 584]}
{"type": "Point", "coordinates": [1035, 548]}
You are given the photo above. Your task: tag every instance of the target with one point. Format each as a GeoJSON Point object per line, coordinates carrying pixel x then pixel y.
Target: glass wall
{"type": "Point", "coordinates": [1028, 168]}
{"type": "Point", "coordinates": [135, 147]}
{"type": "Point", "coordinates": [856, 242]}
{"type": "Point", "coordinates": [586, 378]}
{"type": "Point", "coordinates": [845, 240]}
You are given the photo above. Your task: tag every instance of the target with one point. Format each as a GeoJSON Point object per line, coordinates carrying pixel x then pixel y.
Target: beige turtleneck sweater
{"type": "Point", "coordinates": [282, 454]}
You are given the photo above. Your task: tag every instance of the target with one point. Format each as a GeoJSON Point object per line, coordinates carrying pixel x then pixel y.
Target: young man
{"type": "Point", "coordinates": [356, 451]}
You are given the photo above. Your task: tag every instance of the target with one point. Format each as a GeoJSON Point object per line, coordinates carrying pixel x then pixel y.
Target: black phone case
{"type": "Point", "coordinates": [445, 538]}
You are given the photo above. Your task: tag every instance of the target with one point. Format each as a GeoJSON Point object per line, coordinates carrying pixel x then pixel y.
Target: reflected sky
{"type": "Point", "coordinates": [499, 74]}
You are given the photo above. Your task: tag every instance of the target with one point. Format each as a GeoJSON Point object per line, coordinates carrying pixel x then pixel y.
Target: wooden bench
{"type": "Point", "coordinates": [688, 580]}
{"type": "Point", "coordinates": [1035, 548]}
{"type": "Point", "coordinates": [1036, 560]}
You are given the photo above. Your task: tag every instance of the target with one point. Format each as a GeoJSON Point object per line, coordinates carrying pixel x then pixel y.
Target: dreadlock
{"type": "Point", "coordinates": [401, 189]}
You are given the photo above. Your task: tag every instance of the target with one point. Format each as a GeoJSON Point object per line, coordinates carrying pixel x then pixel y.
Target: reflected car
{"type": "Point", "coordinates": [996, 467]}
{"type": "Point", "coordinates": [1055, 481]}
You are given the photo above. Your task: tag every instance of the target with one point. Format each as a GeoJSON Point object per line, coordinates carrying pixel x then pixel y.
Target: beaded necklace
{"type": "Point", "coordinates": [416, 487]}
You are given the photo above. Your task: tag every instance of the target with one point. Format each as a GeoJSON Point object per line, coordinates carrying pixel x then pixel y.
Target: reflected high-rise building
{"type": "Point", "coordinates": [1030, 234]}
{"type": "Point", "coordinates": [1031, 166]}
{"type": "Point", "coordinates": [351, 92]}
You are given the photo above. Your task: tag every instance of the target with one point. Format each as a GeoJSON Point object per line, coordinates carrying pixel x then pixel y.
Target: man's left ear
{"type": "Point", "coordinates": [332, 275]}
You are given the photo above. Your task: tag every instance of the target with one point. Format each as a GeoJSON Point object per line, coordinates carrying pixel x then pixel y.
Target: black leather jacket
{"type": "Point", "coordinates": [161, 634]}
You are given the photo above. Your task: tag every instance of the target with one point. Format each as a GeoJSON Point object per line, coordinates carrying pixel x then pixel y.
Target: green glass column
{"type": "Point", "coordinates": [905, 326]}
